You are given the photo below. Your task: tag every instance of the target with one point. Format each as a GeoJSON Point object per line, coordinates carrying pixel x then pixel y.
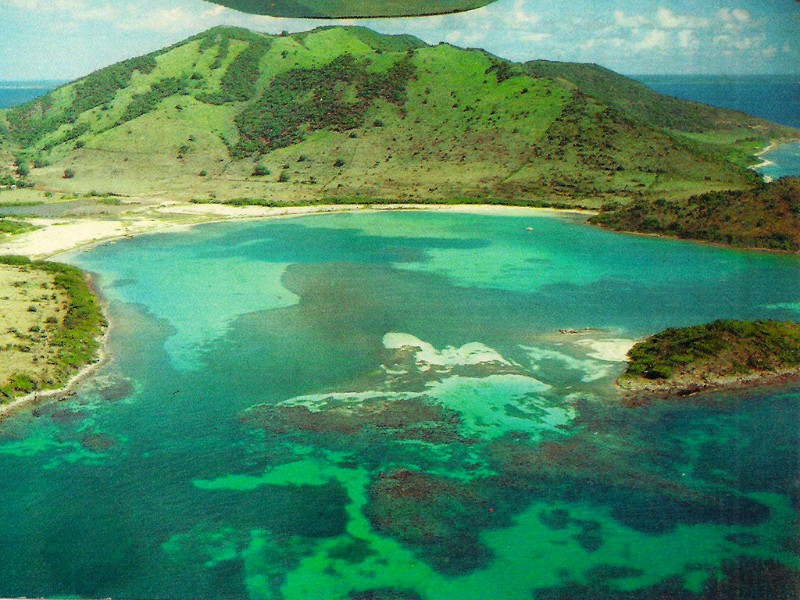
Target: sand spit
{"type": "Point", "coordinates": [608, 349]}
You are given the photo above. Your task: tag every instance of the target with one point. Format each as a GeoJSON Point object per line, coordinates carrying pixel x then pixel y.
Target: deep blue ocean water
{"type": "Point", "coordinates": [14, 93]}
{"type": "Point", "coordinates": [772, 97]}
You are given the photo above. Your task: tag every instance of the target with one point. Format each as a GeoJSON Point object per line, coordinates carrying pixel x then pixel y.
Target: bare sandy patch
{"type": "Point", "coordinates": [608, 349]}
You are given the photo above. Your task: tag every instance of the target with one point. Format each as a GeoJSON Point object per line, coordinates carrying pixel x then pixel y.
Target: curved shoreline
{"type": "Point", "coordinates": [717, 356]}
{"type": "Point", "coordinates": [57, 394]}
{"type": "Point", "coordinates": [194, 215]}
{"type": "Point", "coordinates": [765, 162]}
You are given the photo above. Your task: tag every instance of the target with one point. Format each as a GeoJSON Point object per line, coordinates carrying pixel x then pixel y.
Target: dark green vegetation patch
{"type": "Point", "coordinates": [239, 81]}
{"type": "Point", "coordinates": [335, 96]}
{"type": "Point", "coordinates": [767, 216]}
{"type": "Point", "coordinates": [14, 227]}
{"type": "Point", "coordinates": [29, 122]}
{"type": "Point", "coordinates": [721, 348]}
{"type": "Point", "coordinates": [143, 103]}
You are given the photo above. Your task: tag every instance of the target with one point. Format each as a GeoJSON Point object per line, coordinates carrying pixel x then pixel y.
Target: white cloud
{"type": "Point", "coordinates": [535, 37]}
{"type": "Point", "coordinates": [80, 10]}
{"type": "Point", "coordinates": [215, 11]}
{"type": "Point", "coordinates": [164, 20]}
{"type": "Point", "coordinates": [656, 38]}
{"type": "Point", "coordinates": [632, 22]}
{"type": "Point", "coordinates": [595, 43]}
{"type": "Point", "coordinates": [738, 42]}
{"type": "Point", "coordinates": [101, 13]}
{"type": "Point", "coordinates": [688, 39]}
{"type": "Point", "coordinates": [522, 16]}
{"type": "Point", "coordinates": [663, 18]}
{"type": "Point", "coordinates": [741, 15]}
{"type": "Point", "coordinates": [669, 20]}
{"type": "Point", "coordinates": [43, 5]}
{"type": "Point", "coordinates": [733, 18]}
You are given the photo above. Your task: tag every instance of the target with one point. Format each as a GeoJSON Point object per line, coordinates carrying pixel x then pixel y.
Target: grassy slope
{"type": "Point", "coordinates": [709, 354]}
{"type": "Point", "coordinates": [731, 134]}
{"type": "Point", "coordinates": [767, 216]}
{"type": "Point", "coordinates": [466, 125]}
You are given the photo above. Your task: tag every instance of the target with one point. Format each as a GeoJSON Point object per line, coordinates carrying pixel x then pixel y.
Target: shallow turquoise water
{"type": "Point", "coordinates": [782, 161]}
{"type": "Point", "coordinates": [381, 406]}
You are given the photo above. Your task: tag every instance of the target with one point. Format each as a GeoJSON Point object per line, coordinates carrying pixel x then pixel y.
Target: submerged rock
{"type": "Point", "coordinates": [98, 442]}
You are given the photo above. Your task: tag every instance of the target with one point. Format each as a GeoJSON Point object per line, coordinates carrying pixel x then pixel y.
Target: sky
{"type": "Point", "coordinates": [65, 39]}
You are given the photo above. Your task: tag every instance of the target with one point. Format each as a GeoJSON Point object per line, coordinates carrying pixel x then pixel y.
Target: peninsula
{"type": "Point", "coordinates": [50, 326]}
{"type": "Point", "coordinates": [766, 216]}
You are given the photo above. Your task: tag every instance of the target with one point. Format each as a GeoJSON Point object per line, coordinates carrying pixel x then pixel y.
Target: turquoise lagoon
{"type": "Point", "coordinates": [380, 405]}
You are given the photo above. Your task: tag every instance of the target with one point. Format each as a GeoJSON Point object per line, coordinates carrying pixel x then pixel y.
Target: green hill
{"type": "Point", "coordinates": [735, 135]}
{"type": "Point", "coordinates": [344, 112]}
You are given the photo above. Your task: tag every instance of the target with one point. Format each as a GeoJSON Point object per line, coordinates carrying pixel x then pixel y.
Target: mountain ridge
{"type": "Point", "coordinates": [347, 112]}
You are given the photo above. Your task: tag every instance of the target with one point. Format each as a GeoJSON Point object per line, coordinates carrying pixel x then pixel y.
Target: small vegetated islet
{"type": "Point", "coordinates": [702, 354]}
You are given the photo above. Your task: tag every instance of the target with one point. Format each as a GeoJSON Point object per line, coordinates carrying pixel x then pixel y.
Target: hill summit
{"type": "Point", "coordinates": [344, 112]}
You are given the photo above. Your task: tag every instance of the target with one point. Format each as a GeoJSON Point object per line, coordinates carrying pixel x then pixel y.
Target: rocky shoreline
{"type": "Point", "coordinates": [639, 390]}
